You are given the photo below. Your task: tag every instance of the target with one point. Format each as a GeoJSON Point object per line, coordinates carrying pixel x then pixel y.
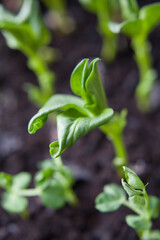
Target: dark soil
{"type": "Point", "coordinates": [91, 157]}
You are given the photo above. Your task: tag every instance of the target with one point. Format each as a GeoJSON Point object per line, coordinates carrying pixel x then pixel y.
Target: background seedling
{"type": "Point", "coordinates": [105, 11]}
{"type": "Point", "coordinates": [80, 115]}
{"type": "Point", "coordinates": [53, 184]}
{"type": "Point", "coordinates": [138, 24]}
{"type": "Point", "coordinates": [26, 32]}
{"type": "Point", "coordinates": [146, 207]}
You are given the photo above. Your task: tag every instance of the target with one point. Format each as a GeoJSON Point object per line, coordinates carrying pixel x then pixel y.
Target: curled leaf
{"type": "Point", "coordinates": [72, 125]}
{"type": "Point", "coordinates": [55, 103]}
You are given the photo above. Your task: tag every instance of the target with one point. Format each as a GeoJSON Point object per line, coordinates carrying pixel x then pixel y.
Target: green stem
{"type": "Point", "coordinates": [45, 76]}
{"type": "Point", "coordinates": [130, 206]}
{"type": "Point", "coordinates": [142, 50]}
{"type": "Point", "coordinates": [109, 44]}
{"type": "Point", "coordinates": [121, 157]}
{"type": "Point", "coordinates": [28, 192]}
{"type": "Point", "coordinates": [146, 204]}
{"type": "Point", "coordinates": [71, 197]}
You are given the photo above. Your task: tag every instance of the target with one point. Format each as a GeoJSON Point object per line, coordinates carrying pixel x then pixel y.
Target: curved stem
{"type": "Point", "coordinates": [28, 192]}
{"type": "Point", "coordinates": [142, 50]}
{"type": "Point", "coordinates": [136, 210]}
{"type": "Point", "coordinates": [121, 157]}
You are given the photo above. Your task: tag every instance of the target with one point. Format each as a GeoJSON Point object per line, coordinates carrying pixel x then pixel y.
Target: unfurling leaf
{"type": "Point", "coordinates": [132, 179]}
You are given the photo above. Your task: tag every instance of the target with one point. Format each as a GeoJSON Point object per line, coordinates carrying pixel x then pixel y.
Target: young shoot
{"type": "Point", "coordinates": [58, 18]}
{"type": "Point", "coordinates": [145, 207]}
{"type": "Point", "coordinates": [78, 115]}
{"type": "Point", "coordinates": [105, 11]}
{"type": "Point", "coordinates": [53, 184]}
{"type": "Point", "coordinates": [26, 32]}
{"type": "Point", "coordinates": [138, 24]}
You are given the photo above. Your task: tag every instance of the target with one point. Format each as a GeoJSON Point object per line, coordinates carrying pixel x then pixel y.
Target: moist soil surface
{"type": "Point", "coordinates": [91, 157]}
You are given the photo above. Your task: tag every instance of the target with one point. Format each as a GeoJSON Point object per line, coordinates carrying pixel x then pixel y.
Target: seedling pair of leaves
{"type": "Point", "coordinates": [53, 184]}
{"type": "Point", "coordinates": [26, 32]}
{"type": "Point", "coordinates": [105, 11]}
{"type": "Point", "coordinates": [137, 25]}
{"type": "Point", "coordinates": [146, 207]}
{"type": "Point", "coordinates": [76, 116]}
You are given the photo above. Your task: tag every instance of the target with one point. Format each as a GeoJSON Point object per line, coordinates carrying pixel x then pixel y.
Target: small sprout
{"type": "Point", "coordinates": [105, 11]}
{"type": "Point", "coordinates": [26, 32]}
{"type": "Point", "coordinates": [80, 115]}
{"type": "Point", "coordinates": [53, 184]}
{"type": "Point", "coordinates": [146, 207]}
{"type": "Point", "coordinates": [137, 24]}
{"type": "Point", "coordinates": [12, 200]}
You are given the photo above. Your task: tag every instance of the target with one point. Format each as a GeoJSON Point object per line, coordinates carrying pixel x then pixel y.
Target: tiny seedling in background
{"type": "Point", "coordinates": [58, 18]}
{"type": "Point", "coordinates": [80, 115]}
{"type": "Point", "coordinates": [53, 184]}
{"type": "Point", "coordinates": [26, 32]}
{"type": "Point", "coordinates": [146, 207]}
{"type": "Point", "coordinates": [138, 24]}
{"type": "Point", "coordinates": [105, 11]}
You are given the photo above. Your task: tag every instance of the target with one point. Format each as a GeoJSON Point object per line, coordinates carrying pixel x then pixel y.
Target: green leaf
{"type": "Point", "coordinates": [154, 205]}
{"type": "Point", "coordinates": [94, 87]}
{"type": "Point", "coordinates": [26, 31]}
{"type": "Point", "coordinates": [72, 125]}
{"type": "Point", "coordinates": [45, 164]}
{"type": "Point", "coordinates": [111, 199]}
{"type": "Point", "coordinates": [132, 179]}
{"type": "Point", "coordinates": [90, 5]}
{"type": "Point", "coordinates": [57, 102]}
{"type": "Point", "coordinates": [131, 28]}
{"type": "Point", "coordinates": [150, 15]}
{"type": "Point", "coordinates": [21, 180]}
{"type": "Point", "coordinates": [151, 235]}
{"type": "Point", "coordinates": [43, 178]}
{"type": "Point", "coordinates": [130, 191]}
{"type": "Point", "coordinates": [53, 197]}
{"type": "Point", "coordinates": [86, 82]}
{"type": "Point", "coordinates": [5, 180]}
{"type": "Point", "coordinates": [138, 223]}
{"type": "Point", "coordinates": [13, 203]}
{"type": "Point", "coordinates": [78, 77]}
{"type": "Point", "coordinates": [137, 202]}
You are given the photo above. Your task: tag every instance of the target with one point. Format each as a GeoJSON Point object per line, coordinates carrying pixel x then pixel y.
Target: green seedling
{"type": "Point", "coordinates": [137, 25]}
{"type": "Point", "coordinates": [53, 184]}
{"type": "Point", "coordinates": [105, 11]}
{"type": "Point", "coordinates": [26, 32]}
{"type": "Point", "coordinates": [58, 16]}
{"type": "Point", "coordinates": [146, 207]}
{"type": "Point", "coordinates": [76, 116]}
